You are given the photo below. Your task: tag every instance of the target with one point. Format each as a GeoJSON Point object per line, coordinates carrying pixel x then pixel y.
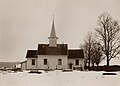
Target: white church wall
{"type": "Point", "coordinates": [82, 62]}
{"type": "Point", "coordinates": [29, 63]}
{"type": "Point", "coordinates": [24, 65]}
{"type": "Point", "coordinates": [52, 62]}
{"type": "Point", "coordinates": [73, 62]}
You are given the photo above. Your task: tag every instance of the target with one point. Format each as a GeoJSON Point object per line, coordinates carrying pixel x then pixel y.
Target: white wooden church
{"type": "Point", "coordinates": [53, 55]}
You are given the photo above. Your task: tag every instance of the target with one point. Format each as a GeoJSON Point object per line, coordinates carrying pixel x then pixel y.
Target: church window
{"type": "Point", "coordinates": [77, 62]}
{"type": "Point", "coordinates": [45, 61]}
{"type": "Point", "coordinates": [33, 61]}
{"type": "Point", "coordinates": [59, 61]}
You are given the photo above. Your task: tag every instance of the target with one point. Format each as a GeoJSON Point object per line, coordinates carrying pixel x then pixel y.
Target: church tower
{"type": "Point", "coordinates": [53, 38]}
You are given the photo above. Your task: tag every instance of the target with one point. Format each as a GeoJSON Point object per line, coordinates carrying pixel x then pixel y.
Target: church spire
{"type": "Point", "coordinates": [53, 38]}
{"type": "Point", "coordinates": [53, 33]}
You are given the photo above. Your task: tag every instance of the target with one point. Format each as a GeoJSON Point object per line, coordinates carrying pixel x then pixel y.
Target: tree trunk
{"type": "Point", "coordinates": [89, 62]}
{"type": "Point", "coordinates": [108, 61]}
{"type": "Point", "coordinates": [97, 65]}
{"type": "Point", "coordinates": [93, 64]}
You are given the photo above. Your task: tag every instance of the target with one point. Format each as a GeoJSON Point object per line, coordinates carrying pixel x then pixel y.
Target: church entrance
{"type": "Point", "coordinates": [70, 66]}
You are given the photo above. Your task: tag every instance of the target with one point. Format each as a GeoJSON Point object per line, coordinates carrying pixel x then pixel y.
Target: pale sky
{"type": "Point", "coordinates": [26, 23]}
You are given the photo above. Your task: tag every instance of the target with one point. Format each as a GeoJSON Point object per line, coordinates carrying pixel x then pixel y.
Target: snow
{"type": "Point", "coordinates": [113, 61]}
{"type": "Point", "coordinates": [59, 78]}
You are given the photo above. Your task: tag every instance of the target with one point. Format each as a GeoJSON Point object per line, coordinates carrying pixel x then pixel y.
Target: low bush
{"type": "Point", "coordinates": [104, 68]}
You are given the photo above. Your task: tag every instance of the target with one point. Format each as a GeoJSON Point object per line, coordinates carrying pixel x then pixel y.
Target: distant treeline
{"type": "Point", "coordinates": [8, 64]}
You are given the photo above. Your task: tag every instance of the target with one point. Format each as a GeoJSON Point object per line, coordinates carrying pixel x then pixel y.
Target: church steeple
{"type": "Point", "coordinates": [53, 38]}
{"type": "Point", "coordinates": [53, 33]}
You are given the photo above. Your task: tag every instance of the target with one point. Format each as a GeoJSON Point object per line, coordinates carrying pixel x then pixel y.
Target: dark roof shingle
{"type": "Point", "coordinates": [44, 49]}
{"type": "Point", "coordinates": [31, 54]}
{"type": "Point", "coordinates": [78, 53]}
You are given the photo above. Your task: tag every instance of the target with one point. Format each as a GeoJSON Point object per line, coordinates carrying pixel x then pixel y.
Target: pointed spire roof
{"type": "Point", "coordinates": [53, 33]}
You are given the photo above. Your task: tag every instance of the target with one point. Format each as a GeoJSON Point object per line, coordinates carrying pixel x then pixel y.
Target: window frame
{"type": "Point", "coordinates": [59, 61]}
{"type": "Point", "coordinates": [77, 62]}
{"type": "Point", "coordinates": [45, 62]}
{"type": "Point", "coordinates": [32, 61]}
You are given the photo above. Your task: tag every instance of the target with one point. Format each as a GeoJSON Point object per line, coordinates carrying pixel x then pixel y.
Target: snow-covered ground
{"type": "Point", "coordinates": [58, 78]}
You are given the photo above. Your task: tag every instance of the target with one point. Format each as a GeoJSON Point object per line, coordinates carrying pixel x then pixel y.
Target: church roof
{"type": "Point", "coordinates": [77, 53]}
{"type": "Point", "coordinates": [44, 49]}
{"type": "Point", "coordinates": [31, 54]}
{"type": "Point", "coordinates": [61, 49]}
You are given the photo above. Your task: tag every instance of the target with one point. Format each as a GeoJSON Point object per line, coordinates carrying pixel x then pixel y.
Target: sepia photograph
{"type": "Point", "coordinates": [59, 42]}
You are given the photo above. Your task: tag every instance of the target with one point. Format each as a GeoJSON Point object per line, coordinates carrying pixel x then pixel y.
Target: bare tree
{"type": "Point", "coordinates": [108, 32]}
{"type": "Point", "coordinates": [97, 53]}
{"type": "Point", "coordinates": [88, 43]}
{"type": "Point", "coordinates": [92, 50]}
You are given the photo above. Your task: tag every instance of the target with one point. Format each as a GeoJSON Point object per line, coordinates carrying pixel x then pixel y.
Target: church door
{"type": "Point", "coordinates": [70, 66]}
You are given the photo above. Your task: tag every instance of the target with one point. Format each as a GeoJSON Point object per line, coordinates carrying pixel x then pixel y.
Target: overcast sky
{"type": "Point", "coordinates": [26, 23]}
